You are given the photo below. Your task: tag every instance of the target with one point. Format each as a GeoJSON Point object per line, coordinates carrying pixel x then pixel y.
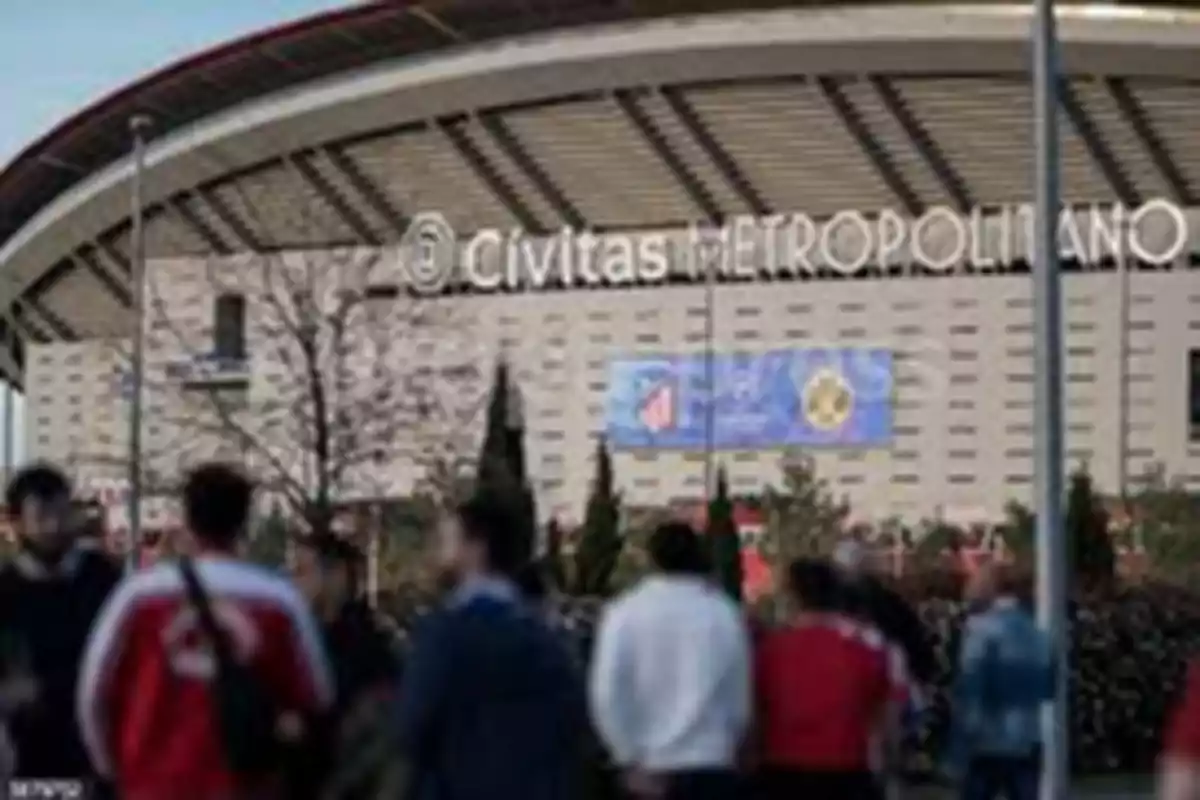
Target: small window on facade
{"type": "Point", "coordinates": [229, 326]}
{"type": "Point", "coordinates": [381, 292]}
{"type": "Point", "coordinates": [1194, 394]}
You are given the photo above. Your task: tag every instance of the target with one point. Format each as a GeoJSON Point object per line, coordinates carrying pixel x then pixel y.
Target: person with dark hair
{"type": "Point", "coordinates": [88, 521]}
{"type": "Point", "coordinates": [200, 675]}
{"type": "Point", "coordinates": [327, 569]}
{"type": "Point", "coordinates": [50, 593]}
{"type": "Point", "coordinates": [670, 678]}
{"type": "Point", "coordinates": [823, 683]}
{"type": "Point", "coordinates": [490, 705]}
{"type": "Point", "coordinates": [1006, 672]}
{"type": "Point", "coordinates": [532, 584]}
{"type": "Point", "coordinates": [866, 597]}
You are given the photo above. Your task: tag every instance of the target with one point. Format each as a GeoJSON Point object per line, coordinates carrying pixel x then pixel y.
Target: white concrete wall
{"type": "Point", "coordinates": [963, 441]}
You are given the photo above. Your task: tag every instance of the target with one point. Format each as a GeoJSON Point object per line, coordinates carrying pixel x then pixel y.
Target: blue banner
{"type": "Point", "coordinates": [837, 397]}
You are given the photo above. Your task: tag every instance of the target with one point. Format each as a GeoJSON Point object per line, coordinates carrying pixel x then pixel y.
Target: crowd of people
{"type": "Point", "coordinates": [209, 677]}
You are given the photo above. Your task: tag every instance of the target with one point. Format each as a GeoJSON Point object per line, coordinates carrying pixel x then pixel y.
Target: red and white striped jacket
{"type": "Point", "coordinates": [145, 708]}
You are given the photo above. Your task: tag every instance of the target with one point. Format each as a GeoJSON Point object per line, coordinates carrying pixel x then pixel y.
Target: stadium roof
{"type": "Point", "coordinates": [593, 113]}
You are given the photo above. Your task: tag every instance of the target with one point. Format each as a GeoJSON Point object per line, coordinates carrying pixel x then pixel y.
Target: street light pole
{"type": "Point", "coordinates": [9, 426]}
{"type": "Point", "coordinates": [1048, 406]}
{"type": "Point", "coordinates": [139, 126]}
{"type": "Point", "coordinates": [1123, 410]}
{"type": "Point", "coordinates": [710, 405]}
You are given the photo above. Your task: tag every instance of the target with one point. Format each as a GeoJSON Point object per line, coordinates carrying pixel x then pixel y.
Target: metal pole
{"type": "Point", "coordinates": [138, 128]}
{"type": "Point", "coordinates": [710, 411]}
{"type": "Point", "coordinates": [1123, 389]}
{"type": "Point", "coordinates": [9, 428]}
{"type": "Point", "coordinates": [373, 554]}
{"type": "Point", "coordinates": [1048, 406]}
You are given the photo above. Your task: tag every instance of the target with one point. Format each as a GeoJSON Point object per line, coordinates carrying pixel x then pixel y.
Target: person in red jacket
{"type": "Point", "coordinates": [828, 688]}
{"type": "Point", "coordinates": [146, 702]}
{"type": "Point", "coordinates": [1180, 768]}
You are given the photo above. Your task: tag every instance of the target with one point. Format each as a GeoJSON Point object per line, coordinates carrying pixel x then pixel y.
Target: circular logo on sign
{"type": "Point", "coordinates": [828, 400]}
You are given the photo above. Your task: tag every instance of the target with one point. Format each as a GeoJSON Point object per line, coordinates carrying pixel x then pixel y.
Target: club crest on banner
{"type": "Point", "coordinates": [828, 400]}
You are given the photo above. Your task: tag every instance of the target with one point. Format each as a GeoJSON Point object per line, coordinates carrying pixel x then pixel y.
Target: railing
{"type": "Point", "coordinates": [209, 370]}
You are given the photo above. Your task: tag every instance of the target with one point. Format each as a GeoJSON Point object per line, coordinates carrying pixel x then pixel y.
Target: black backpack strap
{"type": "Point", "coordinates": [203, 606]}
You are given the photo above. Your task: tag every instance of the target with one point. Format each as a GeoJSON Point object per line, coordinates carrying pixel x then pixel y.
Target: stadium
{"type": "Point", "coordinates": [657, 127]}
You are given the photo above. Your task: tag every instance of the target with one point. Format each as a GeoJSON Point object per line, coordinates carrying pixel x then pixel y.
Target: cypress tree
{"type": "Point", "coordinates": [1091, 549]}
{"type": "Point", "coordinates": [601, 542]}
{"type": "Point", "coordinates": [552, 559]}
{"type": "Point", "coordinates": [501, 468]}
{"type": "Point", "coordinates": [723, 539]}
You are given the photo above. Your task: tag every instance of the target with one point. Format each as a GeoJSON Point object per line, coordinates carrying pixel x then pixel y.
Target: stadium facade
{"type": "Point", "coordinates": [910, 383]}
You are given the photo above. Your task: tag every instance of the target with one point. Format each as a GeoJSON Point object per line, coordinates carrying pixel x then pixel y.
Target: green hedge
{"type": "Point", "coordinates": [1129, 650]}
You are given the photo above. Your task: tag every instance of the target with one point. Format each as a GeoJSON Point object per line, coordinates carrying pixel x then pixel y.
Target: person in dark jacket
{"type": "Point", "coordinates": [868, 599]}
{"type": "Point", "coordinates": [50, 593]}
{"type": "Point", "coordinates": [340, 757]}
{"type": "Point", "coordinates": [491, 706]}
{"type": "Point", "coordinates": [327, 570]}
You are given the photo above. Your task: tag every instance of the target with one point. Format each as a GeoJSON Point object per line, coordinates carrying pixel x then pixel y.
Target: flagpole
{"type": "Point", "coordinates": [1048, 407]}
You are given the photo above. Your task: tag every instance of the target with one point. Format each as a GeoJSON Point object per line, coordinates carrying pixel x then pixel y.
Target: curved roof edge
{"type": "Point", "coordinates": [103, 106]}
{"type": "Point", "coordinates": [315, 47]}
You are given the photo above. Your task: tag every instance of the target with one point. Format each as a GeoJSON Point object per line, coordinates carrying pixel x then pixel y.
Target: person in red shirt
{"type": "Point", "coordinates": [146, 702]}
{"type": "Point", "coordinates": [827, 688]}
{"type": "Point", "coordinates": [1179, 777]}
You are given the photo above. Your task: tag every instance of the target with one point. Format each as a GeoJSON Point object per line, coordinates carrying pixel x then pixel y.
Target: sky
{"type": "Point", "coordinates": [58, 55]}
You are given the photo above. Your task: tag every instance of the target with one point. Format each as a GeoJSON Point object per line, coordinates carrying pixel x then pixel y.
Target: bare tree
{"type": "Point", "coordinates": [803, 516]}
{"type": "Point", "coordinates": [336, 383]}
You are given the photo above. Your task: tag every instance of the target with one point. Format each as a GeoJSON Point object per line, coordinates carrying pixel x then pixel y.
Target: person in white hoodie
{"type": "Point", "coordinates": [670, 686]}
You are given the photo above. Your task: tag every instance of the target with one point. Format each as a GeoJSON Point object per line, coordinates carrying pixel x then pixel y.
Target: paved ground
{"type": "Point", "coordinates": [1135, 787]}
